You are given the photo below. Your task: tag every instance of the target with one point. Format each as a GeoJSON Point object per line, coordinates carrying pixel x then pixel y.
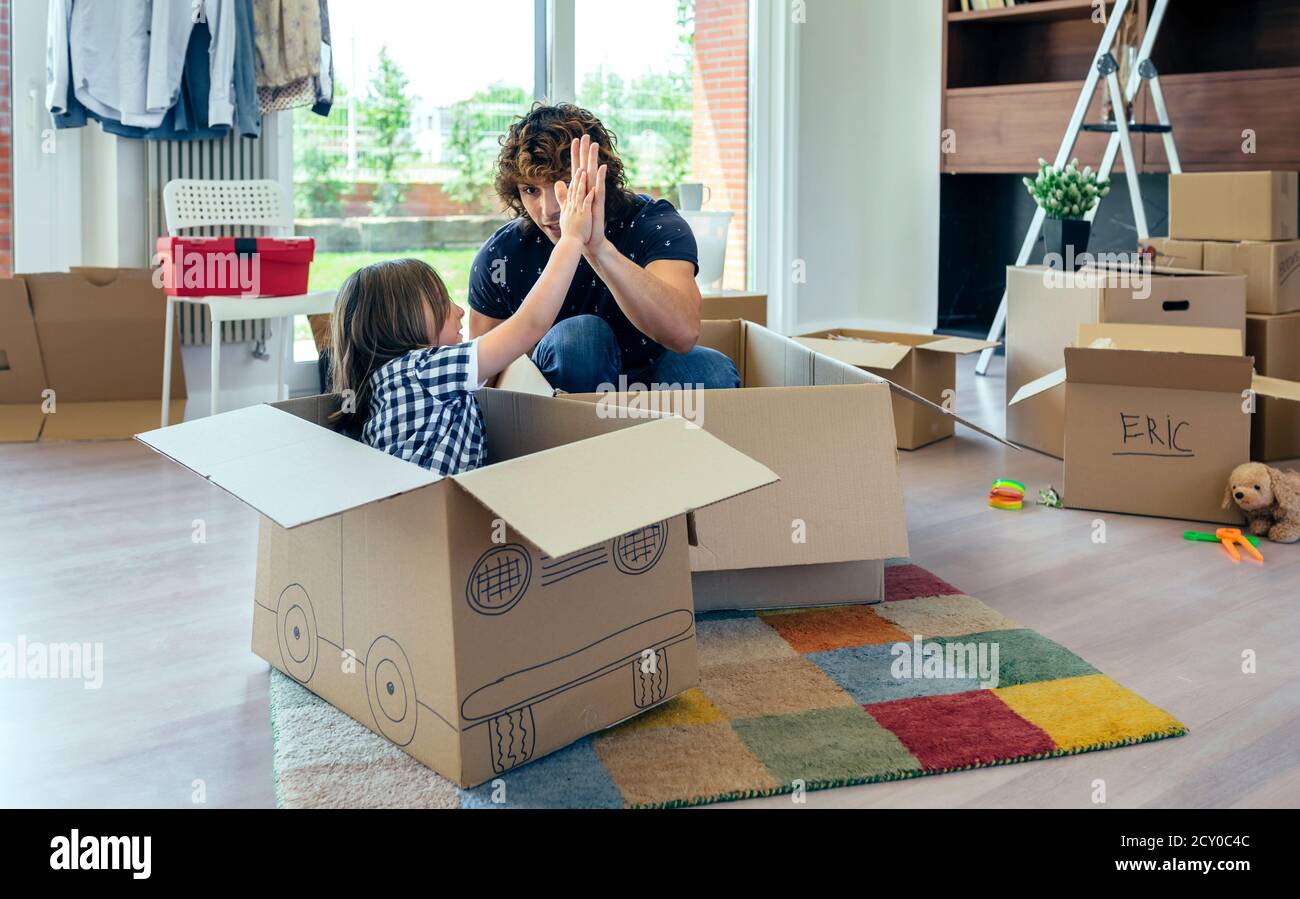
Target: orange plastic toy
{"type": "Point", "coordinates": [1231, 538]}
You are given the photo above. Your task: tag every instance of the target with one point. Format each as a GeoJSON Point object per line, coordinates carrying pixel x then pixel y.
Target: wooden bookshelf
{"type": "Point", "coordinates": [1040, 10]}
{"type": "Point", "coordinates": [1011, 77]}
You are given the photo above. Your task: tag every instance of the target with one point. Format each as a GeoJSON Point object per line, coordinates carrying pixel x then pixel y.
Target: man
{"type": "Point", "coordinates": [633, 307]}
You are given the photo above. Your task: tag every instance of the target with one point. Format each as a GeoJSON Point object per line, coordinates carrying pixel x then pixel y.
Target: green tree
{"type": "Point", "coordinates": [318, 189]}
{"type": "Point", "coordinates": [386, 112]}
{"type": "Point", "coordinates": [477, 125]}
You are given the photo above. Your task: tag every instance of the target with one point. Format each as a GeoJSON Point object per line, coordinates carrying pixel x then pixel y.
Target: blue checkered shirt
{"type": "Point", "coordinates": [423, 409]}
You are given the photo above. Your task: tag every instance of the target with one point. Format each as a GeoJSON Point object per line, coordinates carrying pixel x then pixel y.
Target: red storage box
{"type": "Point", "coordinates": [235, 266]}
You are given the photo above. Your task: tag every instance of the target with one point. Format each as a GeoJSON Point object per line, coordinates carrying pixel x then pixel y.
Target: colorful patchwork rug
{"type": "Point", "coordinates": [927, 682]}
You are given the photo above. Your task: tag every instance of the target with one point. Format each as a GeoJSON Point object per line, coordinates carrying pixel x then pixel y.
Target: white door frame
{"type": "Point", "coordinates": [774, 159]}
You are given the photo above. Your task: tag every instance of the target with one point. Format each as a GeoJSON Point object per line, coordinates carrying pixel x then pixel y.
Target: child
{"type": "Point", "coordinates": [396, 343]}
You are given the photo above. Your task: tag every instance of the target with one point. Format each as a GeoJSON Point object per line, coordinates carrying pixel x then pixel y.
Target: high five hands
{"type": "Point", "coordinates": [585, 168]}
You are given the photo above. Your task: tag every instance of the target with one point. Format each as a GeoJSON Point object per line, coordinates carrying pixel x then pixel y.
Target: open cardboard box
{"type": "Point", "coordinates": [925, 364]}
{"type": "Point", "coordinates": [92, 338]}
{"type": "Point", "coordinates": [481, 620]}
{"type": "Point", "coordinates": [1044, 314]}
{"type": "Point", "coordinates": [1274, 341]}
{"type": "Point", "coordinates": [822, 535]}
{"type": "Point", "coordinates": [1156, 418]}
{"type": "Point", "coordinates": [729, 304]}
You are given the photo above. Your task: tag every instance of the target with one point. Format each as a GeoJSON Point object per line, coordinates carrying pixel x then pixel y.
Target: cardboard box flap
{"type": "Point", "coordinates": [22, 370]}
{"type": "Point", "coordinates": [864, 353]}
{"type": "Point", "coordinates": [1276, 388]}
{"type": "Point", "coordinates": [574, 496]}
{"type": "Point", "coordinates": [935, 407]}
{"type": "Point", "coordinates": [1163, 338]}
{"type": "Point", "coordinates": [1164, 370]}
{"type": "Point", "coordinates": [1039, 385]}
{"type": "Point", "coordinates": [292, 471]}
{"type": "Point", "coordinates": [522, 376]}
{"type": "Point", "coordinates": [960, 346]}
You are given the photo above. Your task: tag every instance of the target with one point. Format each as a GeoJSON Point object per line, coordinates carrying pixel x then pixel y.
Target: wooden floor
{"type": "Point", "coordinates": [97, 544]}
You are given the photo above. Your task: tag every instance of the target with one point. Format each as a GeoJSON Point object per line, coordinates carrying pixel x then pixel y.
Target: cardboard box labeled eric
{"type": "Point", "coordinates": [482, 620]}
{"type": "Point", "coordinates": [1274, 341]}
{"type": "Point", "coordinates": [98, 355]}
{"type": "Point", "coordinates": [822, 535]}
{"type": "Point", "coordinates": [729, 304]}
{"type": "Point", "coordinates": [925, 364]}
{"type": "Point", "coordinates": [1233, 206]}
{"type": "Point", "coordinates": [1156, 418]}
{"type": "Point", "coordinates": [1044, 312]}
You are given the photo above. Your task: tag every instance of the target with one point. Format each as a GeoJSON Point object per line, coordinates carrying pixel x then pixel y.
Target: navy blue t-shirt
{"type": "Point", "coordinates": [653, 231]}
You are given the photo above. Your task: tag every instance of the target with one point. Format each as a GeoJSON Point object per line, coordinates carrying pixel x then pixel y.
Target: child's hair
{"type": "Point", "coordinates": [379, 317]}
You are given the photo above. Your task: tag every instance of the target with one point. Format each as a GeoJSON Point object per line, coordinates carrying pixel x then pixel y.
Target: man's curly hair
{"type": "Point", "coordinates": [536, 151]}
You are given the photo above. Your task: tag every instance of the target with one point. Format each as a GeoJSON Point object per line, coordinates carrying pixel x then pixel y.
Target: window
{"type": "Point", "coordinates": [404, 162]}
{"type": "Point", "coordinates": [671, 79]}
{"type": "Point", "coordinates": [402, 166]}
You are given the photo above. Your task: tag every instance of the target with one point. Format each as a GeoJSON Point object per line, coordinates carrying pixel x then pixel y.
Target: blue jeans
{"type": "Point", "coordinates": [580, 353]}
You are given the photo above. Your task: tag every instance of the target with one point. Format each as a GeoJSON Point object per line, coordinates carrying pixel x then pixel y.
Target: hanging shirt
{"type": "Point", "coordinates": [123, 59]}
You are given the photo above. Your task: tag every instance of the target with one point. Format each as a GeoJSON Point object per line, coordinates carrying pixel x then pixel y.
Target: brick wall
{"type": "Point", "coordinates": [6, 150]}
{"type": "Point", "coordinates": [719, 141]}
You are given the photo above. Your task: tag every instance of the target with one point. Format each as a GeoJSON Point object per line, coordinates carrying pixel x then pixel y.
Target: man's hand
{"type": "Point", "coordinates": [586, 156]}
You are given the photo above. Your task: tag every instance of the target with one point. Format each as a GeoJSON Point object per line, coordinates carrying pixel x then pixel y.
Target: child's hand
{"type": "Point", "coordinates": [576, 199]}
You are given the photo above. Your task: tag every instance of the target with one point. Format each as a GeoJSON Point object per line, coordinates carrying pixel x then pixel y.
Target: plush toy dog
{"type": "Point", "coordinates": [1270, 498]}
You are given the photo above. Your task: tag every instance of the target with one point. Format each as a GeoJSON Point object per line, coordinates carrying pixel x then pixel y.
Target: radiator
{"type": "Point", "coordinates": [233, 158]}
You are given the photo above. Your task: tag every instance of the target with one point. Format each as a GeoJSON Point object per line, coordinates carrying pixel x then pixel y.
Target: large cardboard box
{"type": "Point", "coordinates": [22, 371]}
{"type": "Point", "coordinates": [1156, 418]}
{"type": "Point", "coordinates": [1233, 206]}
{"type": "Point", "coordinates": [923, 363]}
{"type": "Point", "coordinates": [1274, 341]}
{"type": "Point", "coordinates": [822, 535]}
{"type": "Point", "coordinates": [482, 620]}
{"type": "Point", "coordinates": [1272, 272]}
{"type": "Point", "coordinates": [98, 355]}
{"type": "Point", "coordinates": [722, 304]}
{"type": "Point", "coordinates": [1045, 310]}
{"type": "Point", "coordinates": [729, 304]}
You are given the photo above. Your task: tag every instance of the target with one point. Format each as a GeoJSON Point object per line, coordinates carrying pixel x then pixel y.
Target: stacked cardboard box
{"type": "Point", "coordinates": [1246, 222]}
{"type": "Point", "coordinates": [1046, 308]}
{"type": "Point", "coordinates": [1156, 417]}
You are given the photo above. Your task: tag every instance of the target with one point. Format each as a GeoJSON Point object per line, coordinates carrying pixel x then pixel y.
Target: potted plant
{"type": "Point", "coordinates": [1066, 195]}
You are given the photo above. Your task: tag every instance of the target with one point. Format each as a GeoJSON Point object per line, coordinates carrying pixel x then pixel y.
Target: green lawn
{"type": "Point", "coordinates": [330, 270]}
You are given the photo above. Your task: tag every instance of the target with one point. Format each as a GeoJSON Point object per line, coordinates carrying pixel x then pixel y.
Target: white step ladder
{"type": "Point", "coordinates": [1105, 66]}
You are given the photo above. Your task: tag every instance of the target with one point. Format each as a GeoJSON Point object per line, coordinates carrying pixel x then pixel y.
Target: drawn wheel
{"type": "Point", "coordinates": [650, 678]}
{"type": "Point", "coordinates": [296, 629]}
{"type": "Point", "coordinates": [390, 688]}
{"type": "Point", "coordinates": [499, 579]}
{"type": "Point", "coordinates": [511, 739]}
{"type": "Point", "coordinates": [636, 552]}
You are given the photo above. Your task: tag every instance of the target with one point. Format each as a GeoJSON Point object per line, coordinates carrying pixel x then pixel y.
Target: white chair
{"type": "Point", "coordinates": [192, 203]}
